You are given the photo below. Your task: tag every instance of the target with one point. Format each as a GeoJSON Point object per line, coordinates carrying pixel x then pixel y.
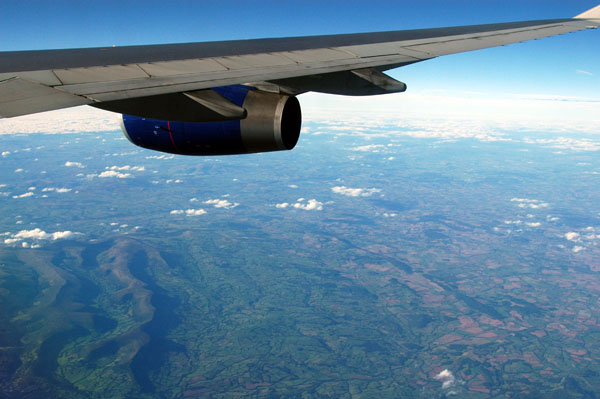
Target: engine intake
{"type": "Point", "coordinates": [272, 123]}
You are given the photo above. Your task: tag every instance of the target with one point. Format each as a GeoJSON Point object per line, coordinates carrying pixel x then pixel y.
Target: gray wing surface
{"type": "Point", "coordinates": [350, 64]}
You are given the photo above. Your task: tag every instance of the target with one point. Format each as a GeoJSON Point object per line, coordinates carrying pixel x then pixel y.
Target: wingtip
{"type": "Point", "coordinates": [593, 13]}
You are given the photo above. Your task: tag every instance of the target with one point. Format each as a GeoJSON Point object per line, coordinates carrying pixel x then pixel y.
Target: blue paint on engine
{"type": "Point", "coordinates": [187, 138]}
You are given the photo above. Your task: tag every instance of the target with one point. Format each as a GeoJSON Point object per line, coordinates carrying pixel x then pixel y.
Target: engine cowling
{"type": "Point", "coordinates": [272, 123]}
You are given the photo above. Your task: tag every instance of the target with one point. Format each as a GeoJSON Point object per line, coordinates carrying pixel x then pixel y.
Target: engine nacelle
{"type": "Point", "coordinates": [272, 123]}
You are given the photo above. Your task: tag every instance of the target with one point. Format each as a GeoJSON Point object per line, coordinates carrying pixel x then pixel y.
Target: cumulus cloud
{"type": "Point", "coordinates": [446, 378]}
{"type": "Point", "coordinates": [71, 164]}
{"type": "Point", "coordinates": [582, 238]}
{"type": "Point", "coordinates": [58, 190]}
{"type": "Point", "coordinates": [19, 170]}
{"type": "Point", "coordinates": [221, 203]}
{"type": "Point", "coordinates": [567, 143]}
{"type": "Point", "coordinates": [37, 234]}
{"type": "Point", "coordinates": [369, 148]}
{"type": "Point", "coordinates": [61, 234]}
{"type": "Point", "coordinates": [533, 224]}
{"type": "Point", "coordinates": [283, 205]}
{"type": "Point", "coordinates": [530, 203]}
{"type": "Point", "coordinates": [355, 192]}
{"type": "Point", "coordinates": [5, 153]}
{"type": "Point", "coordinates": [310, 205]}
{"type": "Point", "coordinates": [113, 173]}
{"type": "Point", "coordinates": [176, 181]}
{"type": "Point", "coordinates": [517, 222]}
{"type": "Point", "coordinates": [160, 157]}
{"type": "Point", "coordinates": [127, 167]}
{"type": "Point", "coordinates": [27, 194]}
{"type": "Point", "coordinates": [188, 212]}
{"type": "Point", "coordinates": [572, 236]}
{"type": "Point", "coordinates": [195, 212]}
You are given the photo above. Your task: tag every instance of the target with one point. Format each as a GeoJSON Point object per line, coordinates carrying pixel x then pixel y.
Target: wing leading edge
{"type": "Point", "coordinates": [350, 64]}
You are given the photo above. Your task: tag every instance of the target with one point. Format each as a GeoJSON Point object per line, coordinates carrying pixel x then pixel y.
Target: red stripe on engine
{"type": "Point", "coordinates": [171, 136]}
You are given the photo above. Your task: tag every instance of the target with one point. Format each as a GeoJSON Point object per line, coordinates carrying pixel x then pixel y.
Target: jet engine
{"type": "Point", "coordinates": [244, 120]}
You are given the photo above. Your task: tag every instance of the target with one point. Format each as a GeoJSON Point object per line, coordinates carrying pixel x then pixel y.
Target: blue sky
{"type": "Point", "coordinates": [61, 24]}
{"type": "Point", "coordinates": [566, 66]}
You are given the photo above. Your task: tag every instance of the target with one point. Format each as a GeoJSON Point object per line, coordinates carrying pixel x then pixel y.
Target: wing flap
{"type": "Point", "coordinates": [359, 82]}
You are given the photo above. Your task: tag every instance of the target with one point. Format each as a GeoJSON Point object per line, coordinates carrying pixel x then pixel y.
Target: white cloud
{"type": "Point", "coordinates": [160, 157]}
{"type": "Point", "coordinates": [534, 224]}
{"type": "Point", "coordinates": [188, 212]}
{"type": "Point", "coordinates": [578, 249]}
{"type": "Point", "coordinates": [221, 203]}
{"type": "Point", "coordinates": [38, 234]}
{"type": "Point", "coordinates": [74, 164]}
{"type": "Point", "coordinates": [112, 173]}
{"type": "Point", "coordinates": [470, 114]}
{"type": "Point", "coordinates": [195, 212]}
{"type": "Point", "coordinates": [127, 167]}
{"type": "Point", "coordinates": [283, 205]}
{"type": "Point", "coordinates": [5, 153]}
{"type": "Point", "coordinates": [27, 194]}
{"type": "Point", "coordinates": [530, 203]}
{"type": "Point", "coordinates": [446, 378]}
{"type": "Point", "coordinates": [369, 148]}
{"type": "Point", "coordinates": [355, 192]}
{"type": "Point", "coordinates": [176, 181]}
{"type": "Point", "coordinates": [62, 234]}
{"type": "Point", "coordinates": [293, 186]}
{"type": "Point", "coordinates": [19, 170]}
{"type": "Point", "coordinates": [583, 72]}
{"type": "Point", "coordinates": [58, 190]}
{"type": "Point", "coordinates": [572, 236]}
{"type": "Point", "coordinates": [311, 205]}
{"type": "Point", "coordinates": [567, 143]}
{"type": "Point", "coordinates": [71, 120]}
{"type": "Point", "coordinates": [517, 222]}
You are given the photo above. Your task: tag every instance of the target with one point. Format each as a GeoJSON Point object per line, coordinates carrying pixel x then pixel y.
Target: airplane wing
{"type": "Point", "coordinates": [349, 64]}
